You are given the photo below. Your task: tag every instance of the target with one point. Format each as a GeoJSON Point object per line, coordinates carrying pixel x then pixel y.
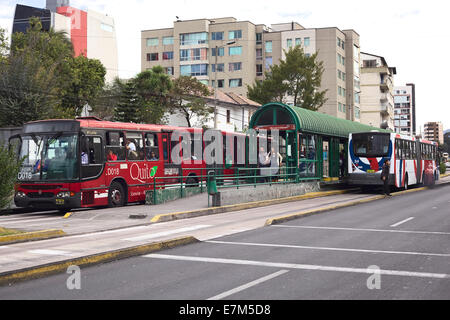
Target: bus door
{"type": "Point", "coordinates": [92, 164]}
{"type": "Point", "coordinates": [419, 162]}
{"type": "Point", "coordinates": [170, 169]}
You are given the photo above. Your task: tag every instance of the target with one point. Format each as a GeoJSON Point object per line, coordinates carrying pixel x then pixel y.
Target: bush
{"type": "Point", "coordinates": [9, 168]}
{"type": "Point", "coordinates": [442, 168]}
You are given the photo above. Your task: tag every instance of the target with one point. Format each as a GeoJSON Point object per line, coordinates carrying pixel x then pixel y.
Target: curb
{"type": "Point", "coordinates": [31, 236]}
{"type": "Point", "coordinates": [61, 266]}
{"type": "Point", "coordinates": [302, 214]}
{"type": "Point", "coordinates": [243, 206]}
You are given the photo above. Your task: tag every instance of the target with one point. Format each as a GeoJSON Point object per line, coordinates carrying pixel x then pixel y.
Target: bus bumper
{"type": "Point", "coordinates": [48, 202]}
{"type": "Point", "coordinates": [371, 179]}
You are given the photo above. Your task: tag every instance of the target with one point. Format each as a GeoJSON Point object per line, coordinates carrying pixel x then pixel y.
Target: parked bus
{"type": "Point", "coordinates": [413, 161]}
{"type": "Point", "coordinates": [88, 162]}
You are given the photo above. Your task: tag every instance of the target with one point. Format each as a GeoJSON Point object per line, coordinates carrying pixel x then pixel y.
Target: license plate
{"type": "Point", "coordinates": [370, 171]}
{"type": "Point", "coordinates": [59, 201]}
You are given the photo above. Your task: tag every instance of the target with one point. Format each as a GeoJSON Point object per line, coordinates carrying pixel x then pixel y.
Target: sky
{"type": "Point", "coordinates": [412, 35]}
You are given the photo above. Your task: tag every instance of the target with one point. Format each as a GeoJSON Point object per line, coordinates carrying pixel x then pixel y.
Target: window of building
{"type": "Point", "coordinates": [152, 57]}
{"type": "Point", "coordinates": [338, 42]}
{"type": "Point", "coordinates": [167, 41]}
{"type": "Point", "coordinates": [193, 38]}
{"type": "Point", "coordinates": [221, 52]}
{"type": "Point", "coordinates": [228, 116]}
{"type": "Point", "coordinates": [220, 67]}
{"type": "Point", "coordinates": [268, 62]}
{"type": "Point", "coordinates": [259, 38]}
{"type": "Point", "coordinates": [220, 83]}
{"type": "Point", "coordinates": [194, 70]}
{"type": "Point", "coordinates": [234, 83]}
{"type": "Point", "coordinates": [169, 70]}
{"type": "Point", "coordinates": [259, 54]}
{"type": "Point", "coordinates": [168, 55]}
{"type": "Point", "coordinates": [234, 51]}
{"type": "Point", "coordinates": [193, 54]}
{"type": "Point", "coordinates": [298, 41]}
{"type": "Point", "coordinates": [307, 41]}
{"type": "Point", "coordinates": [235, 34]}
{"type": "Point", "coordinates": [235, 66]}
{"type": "Point", "coordinates": [106, 27]}
{"type": "Point", "coordinates": [289, 43]}
{"type": "Point", "coordinates": [217, 36]}
{"type": "Point", "coordinates": [357, 113]}
{"type": "Point", "coordinates": [152, 42]}
{"type": "Point", "coordinates": [259, 70]}
{"type": "Point", "coordinates": [268, 46]}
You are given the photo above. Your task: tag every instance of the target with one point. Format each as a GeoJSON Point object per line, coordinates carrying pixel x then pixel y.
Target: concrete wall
{"type": "Point", "coordinates": [260, 193]}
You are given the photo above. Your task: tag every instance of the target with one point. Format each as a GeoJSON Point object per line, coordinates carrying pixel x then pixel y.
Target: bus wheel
{"type": "Point", "coordinates": [191, 182]}
{"type": "Point", "coordinates": [116, 196]}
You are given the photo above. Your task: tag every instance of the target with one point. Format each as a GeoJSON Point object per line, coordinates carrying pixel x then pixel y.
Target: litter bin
{"type": "Point", "coordinates": [212, 189]}
{"type": "Point", "coordinates": [212, 184]}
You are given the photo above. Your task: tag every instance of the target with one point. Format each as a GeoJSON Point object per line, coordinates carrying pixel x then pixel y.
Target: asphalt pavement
{"type": "Point", "coordinates": [394, 248]}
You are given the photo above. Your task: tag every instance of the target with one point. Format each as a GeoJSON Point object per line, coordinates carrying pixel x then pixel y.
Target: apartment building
{"type": "Point", "coordinates": [405, 109]}
{"type": "Point", "coordinates": [230, 54]}
{"type": "Point", "coordinates": [377, 89]}
{"type": "Point", "coordinates": [434, 131]}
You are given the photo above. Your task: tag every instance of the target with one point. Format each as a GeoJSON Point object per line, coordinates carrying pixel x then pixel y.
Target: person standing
{"type": "Point", "coordinates": [385, 177]}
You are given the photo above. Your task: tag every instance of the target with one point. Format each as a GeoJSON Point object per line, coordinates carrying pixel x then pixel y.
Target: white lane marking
{"type": "Point", "coordinates": [368, 230]}
{"type": "Point", "coordinates": [50, 252]}
{"type": "Point", "coordinates": [401, 222]}
{"type": "Point", "coordinates": [4, 247]}
{"type": "Point", "coordinates": [299, 266]}
{"type": "Point", "coordinates": [248, 285]}
{"type": "Point", "coordinates": [166, 233]}
{"type": "Point", "coordinates": [328, 248]}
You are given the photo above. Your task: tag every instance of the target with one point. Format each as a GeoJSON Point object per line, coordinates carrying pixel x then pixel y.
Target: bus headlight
{"type": "Point", "coordinates": [65, 194]}
{"type": "Point", "coordinates": [20, 194]}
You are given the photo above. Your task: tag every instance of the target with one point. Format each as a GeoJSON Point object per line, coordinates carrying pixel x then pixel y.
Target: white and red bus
{"type": "Point", "coordinates": [413, 161]}
{"type": "Point", "coordinates": [89, 162]}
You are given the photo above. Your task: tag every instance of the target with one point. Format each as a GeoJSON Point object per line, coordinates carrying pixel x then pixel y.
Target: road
{"type": "Point", "coordinates": [399, 247]}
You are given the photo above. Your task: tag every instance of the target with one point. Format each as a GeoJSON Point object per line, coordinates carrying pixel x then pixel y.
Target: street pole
{"type": "Point", "coordinates": [215, 89]}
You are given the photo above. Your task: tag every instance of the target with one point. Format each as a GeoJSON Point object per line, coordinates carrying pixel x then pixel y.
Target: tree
{"type": "Point", "coordinates": [30, 75]}
{"type": "Point", "coordinates": [153, 87]}
{"type": "Point", "coordinates": [129, 107]}
{"type": "Point", "coordinates": [9, 168]}
{"type": "Point", "coordinates": [188, 98]}
{"type": "Point", "coordinates": [108, 100]}
{"type": "Point", "coordinates": [87, 78]}
{"type": "Point", "coordinates": [41, 79]}
{"type": "Point", "coordinates": [298, 76]}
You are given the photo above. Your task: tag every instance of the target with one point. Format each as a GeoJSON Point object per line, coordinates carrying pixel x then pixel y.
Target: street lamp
{"type": "Point", "coordinates": [215, 80]}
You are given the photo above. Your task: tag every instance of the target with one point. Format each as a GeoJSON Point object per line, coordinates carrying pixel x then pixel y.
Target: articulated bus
{"type": "Point", "coordinates": [89, 162]}
{"type": "Point", "coordinates": [413, 161]}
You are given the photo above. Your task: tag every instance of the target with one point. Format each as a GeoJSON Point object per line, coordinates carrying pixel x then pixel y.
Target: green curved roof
{"type": "Point", "coordinates": [316, 122]}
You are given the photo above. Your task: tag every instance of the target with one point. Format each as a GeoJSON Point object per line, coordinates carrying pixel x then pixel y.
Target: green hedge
{"type": "Point", "coordinates": [9, 168]}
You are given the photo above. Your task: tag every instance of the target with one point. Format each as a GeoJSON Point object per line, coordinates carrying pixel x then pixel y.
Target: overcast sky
{"type": "Point", "coordinates": [412, 35]}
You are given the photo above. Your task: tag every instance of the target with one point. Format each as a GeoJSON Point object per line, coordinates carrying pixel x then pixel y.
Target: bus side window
{"type": "Point", "coordinates": [151, 147]}
{"type": "Point", "coordinates": [115, 149]}
{"type": "Point", "coordinates": [165, 145]}
{"type": "Point", "coordinates": [91, 156]}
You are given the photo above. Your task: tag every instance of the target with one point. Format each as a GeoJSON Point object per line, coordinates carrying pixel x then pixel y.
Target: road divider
{"type": "Point", "coordinates": [31, 236]}
{"type": "Point", "coordinates": [244, 206]}
{"type": "Point", "coordinates": [61, 266]}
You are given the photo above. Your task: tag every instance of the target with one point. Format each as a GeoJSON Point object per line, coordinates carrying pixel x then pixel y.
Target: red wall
{"type": "Point", "coordinates": [78, 28]}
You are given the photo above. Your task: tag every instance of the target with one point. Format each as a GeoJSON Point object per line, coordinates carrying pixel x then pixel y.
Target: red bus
{"type": "Point", "coordinates": [89, 162]}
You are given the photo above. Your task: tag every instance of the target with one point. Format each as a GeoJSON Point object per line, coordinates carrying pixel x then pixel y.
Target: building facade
{"type": "Point", "coordinates": [233, 113]}
{"type": "Point", "coordinates": [377, 91]}
{"type": "Point", "coordinates": [230, 54]}
{"type": "Point", "coordinates": [405, 109]}
{"type": "Point", "coordinates": [92, 34]}
{"type": "Point", "coordinates": [434, 131]}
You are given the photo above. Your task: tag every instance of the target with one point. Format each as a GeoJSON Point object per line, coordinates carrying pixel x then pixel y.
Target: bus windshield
{"type": "Point", "coordinates": [49, 157]}
{"type": "Point", "coordinates": [371, 145]}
